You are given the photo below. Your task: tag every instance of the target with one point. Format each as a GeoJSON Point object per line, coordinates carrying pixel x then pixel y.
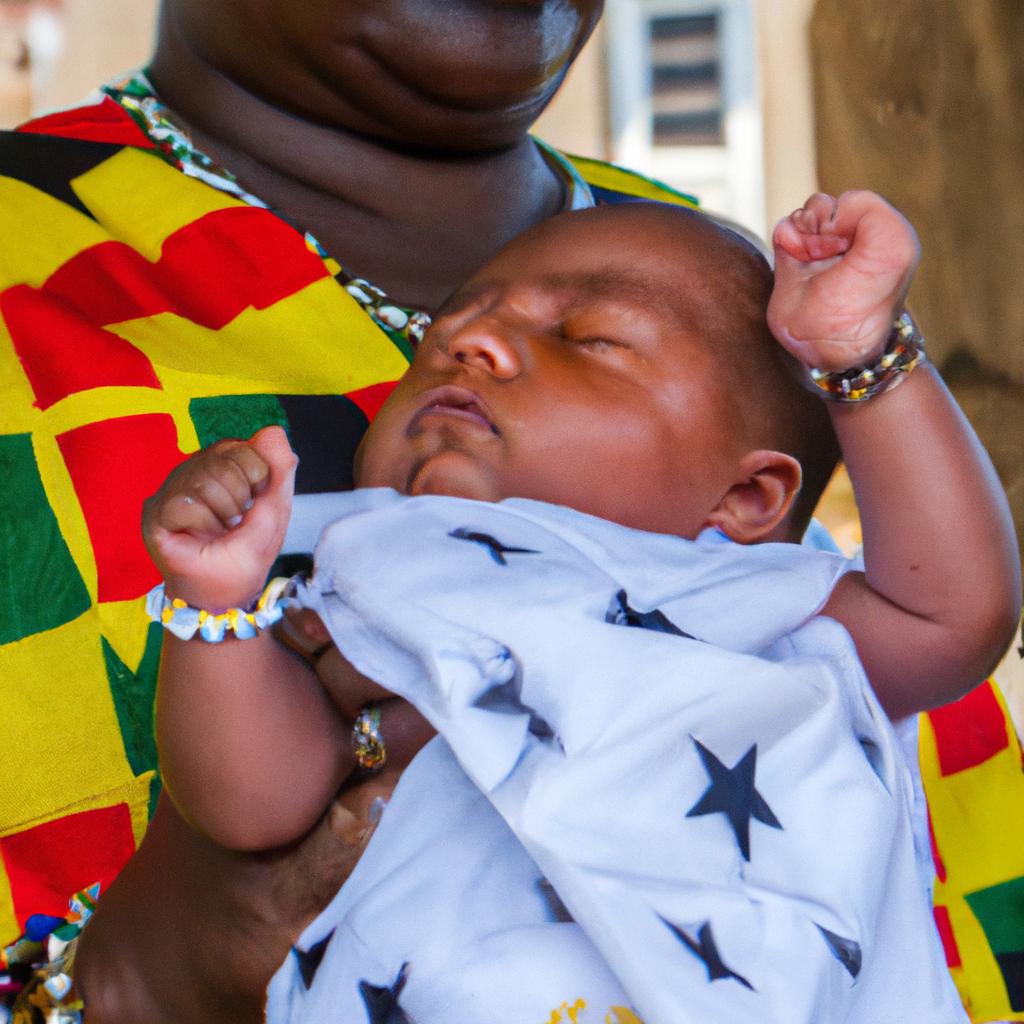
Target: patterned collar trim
{"type": "Point", "coordinates": [405, 325]}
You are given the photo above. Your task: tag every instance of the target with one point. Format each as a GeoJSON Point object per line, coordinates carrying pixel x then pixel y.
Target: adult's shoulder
{"type": "Point", "coordinates": [613, 184]}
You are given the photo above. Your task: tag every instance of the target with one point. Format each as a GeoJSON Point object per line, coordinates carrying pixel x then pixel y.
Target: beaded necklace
{"type": "Point", "coordinates": [405, 325]}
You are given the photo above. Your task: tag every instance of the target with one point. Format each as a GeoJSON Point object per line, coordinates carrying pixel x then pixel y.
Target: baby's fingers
{"type": "Point", "coordinates": [808, 234]}
{"type": "Point", "coordinates": [240, 469]}
{"type": "Point", "coordinates": [187, 513]}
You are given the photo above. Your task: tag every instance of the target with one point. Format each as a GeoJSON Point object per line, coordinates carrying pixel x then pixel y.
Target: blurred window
{"type": "Point", "coordinates": [684, 100]}
{"type": "Point", "coordinates": [686, 87]}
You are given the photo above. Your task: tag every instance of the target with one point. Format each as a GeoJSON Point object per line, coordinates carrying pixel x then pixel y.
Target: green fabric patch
{"type": "Point", "coordinates": [40, 586]}
{"type": "Point", "coordinates": [156, 785]}
{"type": "Point", "coordinates": [1000, 909]}
{"type": "Point", "coordinates": [134, 695]}
{"type": "Point", "coordinates": [234, 416]}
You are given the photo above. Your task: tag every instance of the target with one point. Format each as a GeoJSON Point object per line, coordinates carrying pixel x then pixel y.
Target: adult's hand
{"type": "Point", "coordinates": [403, 729]}
{"type": "Point", "coordinates": [191, 932]}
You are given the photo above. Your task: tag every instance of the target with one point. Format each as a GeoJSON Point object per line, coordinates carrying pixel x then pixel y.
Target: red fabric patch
{"type": "Point", "coordinates": [63, 354]}
{"type": "Point", "coordinates": [940, 867]}
{"type": "Point", "coordinates": [48, 864]}
{"type": "Point", "coordinates": [945, 928]}
{"type": "Point", "coordinates": [372, 398]}
{"type": "Point", "coordinates": [208, 272]}
{"type": "Point", "coordinates": [969, 731]}
{"type": "Point", "coordinates": [106, 121]}
{"type": "Point", "coordinates": [115, 465]}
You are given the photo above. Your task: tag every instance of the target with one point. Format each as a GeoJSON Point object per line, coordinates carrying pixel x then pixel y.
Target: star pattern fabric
{"type": "Point", "coordinates": [705, 949]}
{"type": "Point", "coordinates": [382, 1001]}
{"type": "Point", "coordinates": [310, 959]}
{"type": "Point", "coordinates": [497, 550]}
{"type": "Point", "coordinates": [506, 699]}
{"type": "Point", "coordinates": [601, 814]}
{"type": "Point", "coordinates": [846, 951]}
{"type": "Point", "coordinates": [621, 614]}
{"type": "Point", "coordinates": [732, 793]}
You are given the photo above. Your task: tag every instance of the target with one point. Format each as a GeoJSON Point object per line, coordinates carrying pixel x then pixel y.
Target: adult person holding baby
{"type": "Point", "coordinates": [255, 230]}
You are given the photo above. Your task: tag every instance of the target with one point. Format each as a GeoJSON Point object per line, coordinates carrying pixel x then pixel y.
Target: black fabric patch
{"type": "Point", "coordinates": [1012, 966]}
{"type": "Point", "coordinates": [325, 431]}
{"type": "Point", "coordinates": [50, 163]}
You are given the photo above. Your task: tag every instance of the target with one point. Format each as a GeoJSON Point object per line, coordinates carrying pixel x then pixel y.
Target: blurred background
{"type": "Point", "coordinates": [751, 105]}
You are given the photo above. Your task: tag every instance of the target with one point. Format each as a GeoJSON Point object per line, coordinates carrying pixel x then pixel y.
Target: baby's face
{"type": "Point", "coordinates": [561, 372]}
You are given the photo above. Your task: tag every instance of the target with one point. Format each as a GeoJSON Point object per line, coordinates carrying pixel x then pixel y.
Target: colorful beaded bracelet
{"type": "Point", "coordinates": [903, 352]}
{"type": "Point", "coordinates": [185, 622]}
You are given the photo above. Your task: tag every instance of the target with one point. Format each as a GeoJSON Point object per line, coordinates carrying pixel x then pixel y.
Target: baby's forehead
{"type": "Point", "coordinates": [667, 261]}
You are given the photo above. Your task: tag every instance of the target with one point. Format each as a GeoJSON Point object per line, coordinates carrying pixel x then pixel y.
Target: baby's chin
{"type": "Point", "coordinates": [455, 475]}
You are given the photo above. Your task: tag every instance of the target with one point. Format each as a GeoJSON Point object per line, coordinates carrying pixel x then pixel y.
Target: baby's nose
{"type": "Point", "coordinates": [487, 343]}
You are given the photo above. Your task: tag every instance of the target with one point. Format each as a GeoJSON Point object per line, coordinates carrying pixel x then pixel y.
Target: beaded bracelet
{"type": "Point", "coordinates": [185, 622]}
{"type": "Point", "coordinates": [904, 351]}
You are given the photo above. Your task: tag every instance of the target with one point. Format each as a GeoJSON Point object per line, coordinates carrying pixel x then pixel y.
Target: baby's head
{"type": "Point", "coordinates": [616, 360]}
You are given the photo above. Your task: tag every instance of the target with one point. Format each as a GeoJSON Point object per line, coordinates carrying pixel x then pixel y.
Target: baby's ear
{"type": "Point", "coordinates": [766, 484]}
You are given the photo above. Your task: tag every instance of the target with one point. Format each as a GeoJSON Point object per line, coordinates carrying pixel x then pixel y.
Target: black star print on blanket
{"type": "Point", "coordinates": [382, 1002]}
{"type": "Point", "coordinates": [732, 793]}
{"type": "Point", "coordinates": [621, 614]}
{"type": "Point", "coordinates": [704, 948]}
{"type": "Point", "coordinates": [497, 550]}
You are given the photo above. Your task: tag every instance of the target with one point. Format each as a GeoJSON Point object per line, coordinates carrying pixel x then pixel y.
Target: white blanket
{"type": "Point", "coordinates": [662, 733]}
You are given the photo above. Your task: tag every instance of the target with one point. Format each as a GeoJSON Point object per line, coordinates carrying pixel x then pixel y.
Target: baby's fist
{"type": "Point", "coordinates": [217, 524]}
{"type": "Point", "coordinates": [842, 271]}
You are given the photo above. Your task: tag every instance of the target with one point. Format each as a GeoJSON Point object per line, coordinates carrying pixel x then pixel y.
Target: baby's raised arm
{"type": "Point", "coordinates": [940, 595]}
{"type": "Point", "coordinates": [252, 748]}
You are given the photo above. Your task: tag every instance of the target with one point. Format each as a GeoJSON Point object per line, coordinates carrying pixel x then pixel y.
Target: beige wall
{"type": "Point", "coordinates": [100, 38]}
{"type": "Point", "coordinates": [577, 119]}
{"type": "Point", "coordinates": [787, 97]}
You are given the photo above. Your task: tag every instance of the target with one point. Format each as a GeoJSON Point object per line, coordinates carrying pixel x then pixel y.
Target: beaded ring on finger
{"type": "Point", "coordinates": [367, 743]}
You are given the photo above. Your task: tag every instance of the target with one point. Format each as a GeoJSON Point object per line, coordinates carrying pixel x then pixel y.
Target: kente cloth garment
{"type": "Point", "coordinates": [676, 761]}
{"type": "Point", "coordinates": [971, 765]}
{"type": "Point", "coordinates": [148, 306]}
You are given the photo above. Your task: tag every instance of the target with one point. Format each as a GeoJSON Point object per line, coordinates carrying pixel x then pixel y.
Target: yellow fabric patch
{"type": "Point", "coordinates": [618, 179]}
{"type": "Point", "coordinates": [62, 740]}
{"type": "Point", "coordinates": [141, 216]}
{"type": "Point", "coordinates": [317, 341]}
{"type": "Point", "coordinates": [39, 253]}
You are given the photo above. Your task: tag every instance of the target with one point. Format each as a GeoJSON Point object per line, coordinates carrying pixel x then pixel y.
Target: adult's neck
{"type": "Point", "coordinates": [417, 224]}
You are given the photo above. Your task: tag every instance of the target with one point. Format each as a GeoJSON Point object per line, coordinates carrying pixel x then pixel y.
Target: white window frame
{"type": "Point", "coordinates": [730, 175]}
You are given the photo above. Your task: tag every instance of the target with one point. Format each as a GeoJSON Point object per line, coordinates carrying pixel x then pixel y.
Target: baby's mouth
{"type": "Point", "coordinates": [456, 402]}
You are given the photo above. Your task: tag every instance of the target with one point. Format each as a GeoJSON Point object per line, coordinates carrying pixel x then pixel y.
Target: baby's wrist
{"type": "Point", "coordinates": [213, 624]}
{"type": "Point", "coordinates": [213, 598]}
{"type": "Point", "coordinates": [887, 365]}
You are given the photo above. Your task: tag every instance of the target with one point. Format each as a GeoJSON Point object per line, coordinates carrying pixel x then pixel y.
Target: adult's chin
{"type": "Point", "coordinates": [441, 75]}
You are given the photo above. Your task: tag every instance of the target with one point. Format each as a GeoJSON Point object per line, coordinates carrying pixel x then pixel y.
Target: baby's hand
{"type": "Point", "coordinates": [216, 526]}
{"type": "Point", "coordinates": [842, 271]}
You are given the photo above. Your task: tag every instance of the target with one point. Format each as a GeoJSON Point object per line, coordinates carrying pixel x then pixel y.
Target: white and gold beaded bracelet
{"type": "Point", "coordinates": [185, 622]}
